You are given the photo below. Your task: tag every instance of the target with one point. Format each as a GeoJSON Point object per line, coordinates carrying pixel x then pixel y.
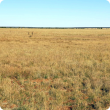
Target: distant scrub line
{"type": "Point", "coordinates": [60, 27]}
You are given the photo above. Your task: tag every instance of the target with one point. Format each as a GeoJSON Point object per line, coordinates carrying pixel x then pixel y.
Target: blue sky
{"type": "Point", "coordinates": [55, 13]}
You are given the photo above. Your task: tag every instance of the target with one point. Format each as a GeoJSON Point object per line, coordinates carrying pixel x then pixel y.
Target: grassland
{"type": "Point", "coordinates": [54, 69]}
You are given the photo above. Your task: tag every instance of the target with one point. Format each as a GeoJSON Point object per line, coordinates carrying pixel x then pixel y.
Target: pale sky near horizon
{"type": "Point", "coordinates": [55, 13]}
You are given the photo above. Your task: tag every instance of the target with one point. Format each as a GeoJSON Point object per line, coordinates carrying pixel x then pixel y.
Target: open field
{"type": "Point", "coordinates": [54, 69]}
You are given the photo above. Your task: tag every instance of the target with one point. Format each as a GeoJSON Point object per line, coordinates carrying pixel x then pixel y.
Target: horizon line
{"type": "Point", "coordinates": [48, 27]}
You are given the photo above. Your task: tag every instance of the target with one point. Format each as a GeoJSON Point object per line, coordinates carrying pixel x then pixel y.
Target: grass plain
{"type": "Point", "coordinates": [54, 69]}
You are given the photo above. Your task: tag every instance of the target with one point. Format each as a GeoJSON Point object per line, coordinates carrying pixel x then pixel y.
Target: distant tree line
{"type": "Point", "coordinates": [57, 27]}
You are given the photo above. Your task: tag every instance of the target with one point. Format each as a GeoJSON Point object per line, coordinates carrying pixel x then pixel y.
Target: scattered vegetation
{"type": "Point", "coordinates": [56, 69]}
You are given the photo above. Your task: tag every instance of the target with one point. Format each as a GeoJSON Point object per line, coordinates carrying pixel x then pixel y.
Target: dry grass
{"type": "Point", "coordinates": [55, 69]}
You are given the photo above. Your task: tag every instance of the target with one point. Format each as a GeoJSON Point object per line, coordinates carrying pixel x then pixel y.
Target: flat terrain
{"type": "Point", "coordinates": [54, 69]}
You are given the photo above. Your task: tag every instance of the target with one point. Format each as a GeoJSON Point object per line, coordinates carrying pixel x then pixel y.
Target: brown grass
{"type": "Point", "coordinates": [55, 69]}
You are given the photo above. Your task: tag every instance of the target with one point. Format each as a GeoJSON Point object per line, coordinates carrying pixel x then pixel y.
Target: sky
{"type": "Point", "coordinates": [55, 13]}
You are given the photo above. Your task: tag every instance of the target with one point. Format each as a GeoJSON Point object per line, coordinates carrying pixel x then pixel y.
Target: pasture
{"type": "Point", "coordinates": [54, 69]}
